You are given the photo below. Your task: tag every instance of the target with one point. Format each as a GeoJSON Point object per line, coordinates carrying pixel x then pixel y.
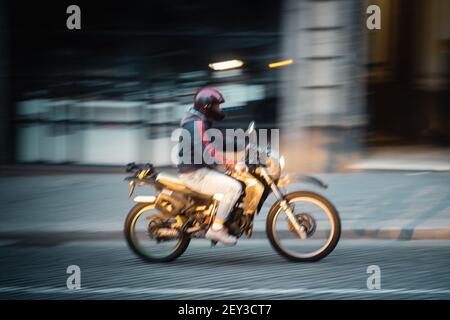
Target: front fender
{"type": "Point", "coordinates": [288, 179]}
{"type": "Point", "coordinates": [145, 199]}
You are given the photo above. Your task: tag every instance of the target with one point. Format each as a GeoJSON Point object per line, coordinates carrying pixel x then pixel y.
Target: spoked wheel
{"type": "Point", "coordinates": [142, 238]}
{"type": "Point", "coordinates": [320, 221]}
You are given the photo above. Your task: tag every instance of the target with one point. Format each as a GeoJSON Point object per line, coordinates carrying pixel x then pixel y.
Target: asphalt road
{"type": "Point", "coordinates": [251, 270]}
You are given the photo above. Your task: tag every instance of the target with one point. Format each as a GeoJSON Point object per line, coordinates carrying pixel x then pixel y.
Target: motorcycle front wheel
{"type": "Point", "coordinates": [320, 220]}
{"type": "Point", "coordinates": [137, 237]}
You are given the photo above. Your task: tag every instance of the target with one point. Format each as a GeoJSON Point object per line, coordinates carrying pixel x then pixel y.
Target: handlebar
{"type": "Point", "coordinates": [138, 167]}
{"type": "Point", "coordinates": [142, 172]}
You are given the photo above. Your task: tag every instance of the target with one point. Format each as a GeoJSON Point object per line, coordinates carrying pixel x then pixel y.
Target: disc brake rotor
{"type": "Point", "coordinates": [305, 220]}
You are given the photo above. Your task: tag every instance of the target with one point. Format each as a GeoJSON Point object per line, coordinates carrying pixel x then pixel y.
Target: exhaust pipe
{"type": "Point", "coordinates": [166, 233]}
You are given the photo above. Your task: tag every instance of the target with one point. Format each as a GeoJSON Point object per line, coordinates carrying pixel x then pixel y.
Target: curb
{"type": "Point", "coordinates": [52, 238]}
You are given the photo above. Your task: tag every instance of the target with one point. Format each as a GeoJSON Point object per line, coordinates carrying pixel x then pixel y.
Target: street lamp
{"type": "Point", "coordinates": [280, 63]}
{"type": "Point", "coordinates": [226, 65]}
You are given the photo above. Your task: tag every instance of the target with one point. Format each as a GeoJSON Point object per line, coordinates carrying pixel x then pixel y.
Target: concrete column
{"type": "Point", "coordinates": [322, 107]}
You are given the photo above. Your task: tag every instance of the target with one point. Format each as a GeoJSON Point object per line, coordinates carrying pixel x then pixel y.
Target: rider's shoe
{"type": "Point", "coordinates": [222, 236]}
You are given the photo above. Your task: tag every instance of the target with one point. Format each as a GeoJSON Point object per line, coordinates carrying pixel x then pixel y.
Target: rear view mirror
{"type": "Point", "coordinates": [251, 127]}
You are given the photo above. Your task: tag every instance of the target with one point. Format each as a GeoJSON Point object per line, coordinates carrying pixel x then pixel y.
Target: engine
{"type": "Point", "coordinates": [170, 203]}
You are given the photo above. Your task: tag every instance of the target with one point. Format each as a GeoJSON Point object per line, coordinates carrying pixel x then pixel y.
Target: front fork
{"type": "Point", "coordinates": [300, 229]}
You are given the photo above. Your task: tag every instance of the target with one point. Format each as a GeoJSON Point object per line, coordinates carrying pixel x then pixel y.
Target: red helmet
{"type": "Point", "coordinates": [207, 100]}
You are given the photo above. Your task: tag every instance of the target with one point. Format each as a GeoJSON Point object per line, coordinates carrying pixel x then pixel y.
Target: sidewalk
{"type": "Point", "coordinates": [410, 158]}
{"type": "Point", "coordinates": [374, 205]}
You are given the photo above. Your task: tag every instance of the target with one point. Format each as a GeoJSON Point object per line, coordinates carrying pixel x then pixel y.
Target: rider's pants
{"type": "Point", "coordinates": [211, 182]}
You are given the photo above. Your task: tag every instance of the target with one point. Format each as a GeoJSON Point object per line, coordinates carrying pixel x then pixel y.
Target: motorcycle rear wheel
{"type": "Point", "coordinates": [131, 238]}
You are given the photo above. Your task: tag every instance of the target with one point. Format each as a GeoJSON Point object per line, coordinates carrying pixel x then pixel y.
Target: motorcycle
{"type": "Point", "coordinates": [301, 225]}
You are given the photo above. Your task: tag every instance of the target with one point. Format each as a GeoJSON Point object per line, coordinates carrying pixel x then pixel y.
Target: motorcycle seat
{"type": "Point", "coordinates": [174, 183]}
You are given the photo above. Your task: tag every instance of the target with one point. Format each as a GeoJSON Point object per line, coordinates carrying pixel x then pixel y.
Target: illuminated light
{"type": "Point", "coordinates": [281, 63]}
{"type": "Point", "coordinates": [226, 65]}
{"type": "Point", "coordinates": [282, 162]}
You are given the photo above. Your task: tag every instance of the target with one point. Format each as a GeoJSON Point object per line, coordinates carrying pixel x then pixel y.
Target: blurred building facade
{"type": "Point", "coordinates": [109, 132]}
{"type": "Point", "coordinates": [114, 92]}
{"type": "Point", "coordinates": [408, 74]}
{"type": "Point", "coordinates": [6, 119]}
{"type": "Point", "coordinates": [354, 88]}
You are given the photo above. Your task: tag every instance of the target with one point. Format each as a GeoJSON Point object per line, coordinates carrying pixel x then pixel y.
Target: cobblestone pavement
{"type": "Point", "coordinates": [251, 270]}
{"type": "Point", "coordinates": [50, 222]}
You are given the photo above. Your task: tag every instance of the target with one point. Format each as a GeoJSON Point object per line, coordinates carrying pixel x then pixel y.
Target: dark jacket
{"type": "Point", "coordinates": [196, 124]}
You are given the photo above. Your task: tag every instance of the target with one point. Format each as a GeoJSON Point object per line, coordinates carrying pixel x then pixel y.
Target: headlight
{"type": "Point", "coordinates": [273, 166]}
{"type": "Point", "coordinates": [282, 162]}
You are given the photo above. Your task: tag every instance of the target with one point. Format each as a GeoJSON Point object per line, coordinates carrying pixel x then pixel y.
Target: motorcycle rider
{"type": "Point", "coordinates": [202, 177]}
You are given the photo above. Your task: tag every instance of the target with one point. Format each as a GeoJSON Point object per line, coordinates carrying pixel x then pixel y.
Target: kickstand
{"type": "Point", "coordinates": [213, 243]}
